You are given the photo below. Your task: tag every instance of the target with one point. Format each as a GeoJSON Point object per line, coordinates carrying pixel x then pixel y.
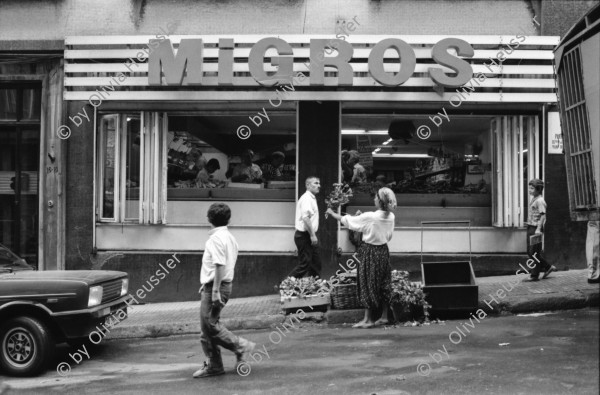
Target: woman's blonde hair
{"type": "Point", "coordinates": [387, 199]}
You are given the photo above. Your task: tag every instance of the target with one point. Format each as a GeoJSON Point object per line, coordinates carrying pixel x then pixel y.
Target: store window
{"type": "Point", "coordinates": [207, 160]}
{"type": "Point", "coordinates": [452, 169]}
{"type": "Point", "coordinates": [169, 167]}
{"type": "Point", "coordinates": [119, 158]}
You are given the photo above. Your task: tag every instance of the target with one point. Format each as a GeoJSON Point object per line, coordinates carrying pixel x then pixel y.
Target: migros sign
{"type": "Point", "coordinates": [188, 61]}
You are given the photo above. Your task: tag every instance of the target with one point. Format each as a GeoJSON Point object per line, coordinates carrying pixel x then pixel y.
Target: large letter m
{"type": "Point", "coordinates": [188, 58]}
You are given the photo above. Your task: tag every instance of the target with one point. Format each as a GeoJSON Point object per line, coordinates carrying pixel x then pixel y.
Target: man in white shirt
{"type": "Point", "coordinates": [216, 275]}
{"type": "Point", "coordinates": [307, 224]}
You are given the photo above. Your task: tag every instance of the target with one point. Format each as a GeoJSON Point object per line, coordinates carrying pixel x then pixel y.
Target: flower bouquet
{"type": "Point", "coordinates": [407, 298]}
{"type": "Point", "coordinates": [340, 196]}
{"type": "Point", "coordinates": [303, 292]}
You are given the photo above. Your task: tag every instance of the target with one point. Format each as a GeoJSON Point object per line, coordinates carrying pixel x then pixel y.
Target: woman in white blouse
{"type": "Point", "coordinates": [374, 270]}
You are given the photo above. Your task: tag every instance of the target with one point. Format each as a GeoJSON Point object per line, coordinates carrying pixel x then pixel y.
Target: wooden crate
{"type": "Point", "coordinates": [295, 302]}
{"type": "Point", "coordinates": [450, 287]}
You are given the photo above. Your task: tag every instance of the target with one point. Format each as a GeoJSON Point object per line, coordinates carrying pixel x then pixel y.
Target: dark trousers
{"type": "Point", "coordinates": [214, 334]}
{"type": "Point", "coordinates": [309, 262]}
{"type": "Point", "coordinates": [540, 263]}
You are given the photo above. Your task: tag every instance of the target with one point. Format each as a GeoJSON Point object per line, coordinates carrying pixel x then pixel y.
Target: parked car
{"type": "Point", "coordinates": [10, 262]}
{"type": "Point", "coordinates": [39, 309]}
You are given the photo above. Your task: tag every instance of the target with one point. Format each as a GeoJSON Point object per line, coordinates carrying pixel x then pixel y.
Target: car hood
{"type": "Point", "coordinates": [87, 276]}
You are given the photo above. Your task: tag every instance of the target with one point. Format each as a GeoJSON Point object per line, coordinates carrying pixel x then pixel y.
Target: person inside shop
{"type": "Point", "coordinates": [307, 225]}
{"type": "Point", "coordinates": [273, 170]}
{"type": "Point", "coordinates": [374, 270]}
{"type": "Point", "coordinates": [347, 170]}
{"type": "Point", "coordinates": [185, 167]}
{"type": "Point", "coordinates": [205, 177]}
{"type": "Point", "coordinates": [247, 171]}
{"type": "Point", "coordinates": [359, 173]}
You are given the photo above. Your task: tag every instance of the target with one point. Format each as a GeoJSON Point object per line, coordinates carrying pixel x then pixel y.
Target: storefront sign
{"type": "Point", "coordinates": [555, 141]}
{"type": "Point", "coordinates": [188, 61]}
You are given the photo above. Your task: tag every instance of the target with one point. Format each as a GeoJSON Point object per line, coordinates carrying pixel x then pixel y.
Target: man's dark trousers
{"type": "Point", "coordinates": [309, 262]}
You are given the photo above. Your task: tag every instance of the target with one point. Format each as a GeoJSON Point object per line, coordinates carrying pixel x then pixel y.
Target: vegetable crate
{"type": "Point", "coordinates": [450, 286]}
{"type": "Point", "coordinates": [305, 302]}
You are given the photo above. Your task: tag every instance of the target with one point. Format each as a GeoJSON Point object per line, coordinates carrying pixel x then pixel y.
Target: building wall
{"type": "Point", "coordinates": [34, 20]}
{"type": "Point", "coordinates": [43, 25]}
{"type": "Point", "coordinates": [260, 274]}
{"type": "Point", "coordinates": [564, 239]}
{"type": "Point", "coordinates": [80, 187]}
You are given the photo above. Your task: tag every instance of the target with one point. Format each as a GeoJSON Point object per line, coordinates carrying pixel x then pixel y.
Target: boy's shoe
{"type": "Point", "coordinates": [550, 270]}
{"type": "Point", "coordinates": [532, 279]}
{"type": "Point", "coordinates": [246, 348]}
{"type": "Point", "coordinates": [207, 371]}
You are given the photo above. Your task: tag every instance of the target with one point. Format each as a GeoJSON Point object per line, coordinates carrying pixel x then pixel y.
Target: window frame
{"type": "Point", "coordinates": [152, 197]}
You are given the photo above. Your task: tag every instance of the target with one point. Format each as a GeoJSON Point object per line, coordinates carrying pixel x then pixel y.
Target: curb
{"type": "Point", "coordinates": [576, 299]}
{"type": "Point", "coordinates": [188, 328]}
{"type": "Point", "coordinates": [545, 302]}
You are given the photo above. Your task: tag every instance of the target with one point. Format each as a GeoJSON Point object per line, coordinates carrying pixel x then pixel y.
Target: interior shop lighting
{"type": "Point", "coordinates": [363, 131]}
{"type": "Point", "coordinates": [376, 150]}
{"type": "Point", "coordinates": [406, 156]}
{"type": "Point", "coordinates": [387, 142]}
{"type": "Point", "coordinates": [378, 132]}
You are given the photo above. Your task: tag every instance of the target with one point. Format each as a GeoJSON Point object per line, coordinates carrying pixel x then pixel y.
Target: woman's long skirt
{"type": "Point", "coordinates": [374, 275]}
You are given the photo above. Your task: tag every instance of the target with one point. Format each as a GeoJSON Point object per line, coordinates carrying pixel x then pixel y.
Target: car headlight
{"type": "Point", "coordinates": [95, 296]}
{"type": "Point", "coordinates": [124, 286]}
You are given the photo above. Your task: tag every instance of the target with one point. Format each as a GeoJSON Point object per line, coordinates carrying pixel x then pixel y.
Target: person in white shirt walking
{"type": "Point", "coordinates": [374, 273]}
{"type": "Point", "coordinates": [307, 225]}
{"type": "Point", "coordinates": [216, 275]}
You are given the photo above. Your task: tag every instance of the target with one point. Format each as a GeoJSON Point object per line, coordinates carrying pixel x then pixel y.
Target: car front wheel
{"type": "Point", "coordinates": [26, 345]}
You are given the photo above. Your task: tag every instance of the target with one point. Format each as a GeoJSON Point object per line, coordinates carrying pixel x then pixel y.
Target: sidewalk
{"type": "Point", "coordinates": [560, 291]}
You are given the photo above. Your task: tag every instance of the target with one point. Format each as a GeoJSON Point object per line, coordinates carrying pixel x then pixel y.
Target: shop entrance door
{"type": "Point", "coordinates": [19, 163]}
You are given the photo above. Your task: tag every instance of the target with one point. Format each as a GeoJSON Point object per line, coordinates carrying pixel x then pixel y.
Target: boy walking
{"type": "Point", "coordinates": [216, 275]}
{"type": "Point", "coordinates": [535, 226]}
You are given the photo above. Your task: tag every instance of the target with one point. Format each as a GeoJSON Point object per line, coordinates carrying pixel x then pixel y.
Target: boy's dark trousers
{"type": "Point", "coordinates": [214, 334]}
{"type": "Point", "coordinates": [541, 265]}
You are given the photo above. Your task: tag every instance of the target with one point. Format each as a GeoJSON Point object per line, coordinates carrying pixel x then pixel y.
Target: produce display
{"type": "Point", "coordinates": [408, 294]}
{"type": "Point", "coordinates": [303, 287]}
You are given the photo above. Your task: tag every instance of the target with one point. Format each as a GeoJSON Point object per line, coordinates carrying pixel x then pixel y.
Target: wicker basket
{"type": "Point", "coordinates": [345, 297]}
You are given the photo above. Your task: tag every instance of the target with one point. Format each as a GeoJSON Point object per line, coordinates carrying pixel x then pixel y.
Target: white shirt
{"type": "Point", "coordinates": [376, 227]}
{"type": "Point", "coordinates": [221, 249]}
{"type": "Point", "coordinates": [307, 207]}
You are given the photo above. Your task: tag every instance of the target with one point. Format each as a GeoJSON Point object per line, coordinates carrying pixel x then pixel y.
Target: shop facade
{"type": "Point", "coordinates": [455, 123]}
{"type": "Point", "coordinates": [159, 123]}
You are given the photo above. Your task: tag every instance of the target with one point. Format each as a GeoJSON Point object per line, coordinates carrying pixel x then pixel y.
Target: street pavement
{"type": "Point", "coordinates": [560, 291]}
{"type": "Point", "coordinates": [540, 353]}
